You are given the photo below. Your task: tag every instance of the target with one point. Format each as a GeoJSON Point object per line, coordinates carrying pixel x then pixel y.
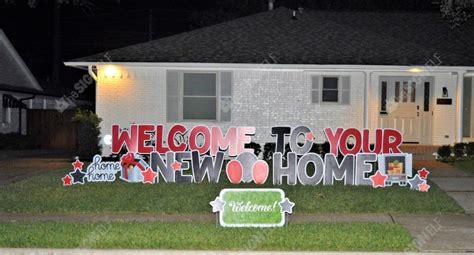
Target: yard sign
{"type": "Point", "coordinates": [154, 155]}
{"type": "Point", "coordinates": [252, 207]}
{"type": "Point", "coordinates": [176, 155]}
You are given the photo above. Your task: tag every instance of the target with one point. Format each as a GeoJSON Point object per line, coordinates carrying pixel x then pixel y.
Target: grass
{"type": "Point", "coordinates": [45, 194]}
{"type": "Point", "coordinates": [465, 165]}
{"type": "Point", "coordinates": [206, 236]}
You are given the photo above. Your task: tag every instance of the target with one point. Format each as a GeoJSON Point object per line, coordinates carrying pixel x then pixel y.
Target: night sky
{"type": "Point", "coordinates": [109, 24]}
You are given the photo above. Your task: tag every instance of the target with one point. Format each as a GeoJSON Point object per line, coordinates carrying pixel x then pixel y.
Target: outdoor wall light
{"type": "Point", "coordinates": [111, 71]}
{"type": "Point", "coordinates": [415, 70]}
{"type": "Point", "coordinates": [445, 92]}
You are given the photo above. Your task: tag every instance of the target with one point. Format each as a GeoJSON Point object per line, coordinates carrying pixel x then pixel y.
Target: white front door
{"type": "Point", "coordinates": [406, 106]}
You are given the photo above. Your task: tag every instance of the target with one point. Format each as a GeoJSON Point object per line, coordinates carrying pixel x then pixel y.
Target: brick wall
{"type": "Point", "coordinates": [261, 98]}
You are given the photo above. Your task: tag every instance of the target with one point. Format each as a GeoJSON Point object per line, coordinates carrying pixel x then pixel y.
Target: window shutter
{"type": "Point", "coordinates": [383, 99]}
{"type": "Point", "coordinates": [226, 96]}
{"type": "Point", "coordinates": [346, 90]}
{"type": "Point", "coordinates": [172, 96]}
{"type": "Point", "coordinates": [315, 89]}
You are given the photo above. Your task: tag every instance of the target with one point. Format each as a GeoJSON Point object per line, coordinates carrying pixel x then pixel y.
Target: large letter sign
{"type": "Point", "coordinates": [155, 154]}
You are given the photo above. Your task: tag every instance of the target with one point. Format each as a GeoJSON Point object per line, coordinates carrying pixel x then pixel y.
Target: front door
{"type": "Point", "coordinates": [406, 107]}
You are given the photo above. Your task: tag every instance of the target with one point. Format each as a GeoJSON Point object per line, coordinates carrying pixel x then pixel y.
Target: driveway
{"type": "Point", "coordinates": [17, 165]}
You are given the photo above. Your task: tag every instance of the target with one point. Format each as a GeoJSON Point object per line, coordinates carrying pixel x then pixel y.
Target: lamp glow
{"type": "Point", "coordinates": [111, 71]}
{"type": "Point", "coordinates": [415, 70]}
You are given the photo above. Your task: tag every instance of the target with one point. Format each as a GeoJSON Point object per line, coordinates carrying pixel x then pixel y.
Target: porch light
{"type": "Point", "coordinates": [111, 71]}
{"type": "Point", "coordinates": [415, 70]}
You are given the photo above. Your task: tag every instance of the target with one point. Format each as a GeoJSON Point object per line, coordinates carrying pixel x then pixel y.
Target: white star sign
{"type": "Point", "coordinates": [287, 206]}
{"type": "Point", "coordinates": [217, 205]}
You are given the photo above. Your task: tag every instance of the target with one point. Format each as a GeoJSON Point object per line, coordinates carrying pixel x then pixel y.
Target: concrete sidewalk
{"type": "Point", "coordinates": [456, 183]}
{"type": "Point", "coordinates": [201, 217]}
{"type": "Point", "coordinates": [446, 233]}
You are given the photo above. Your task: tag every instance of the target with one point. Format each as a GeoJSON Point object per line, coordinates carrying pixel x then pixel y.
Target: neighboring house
{"type": "Point", "coordinates": [20, 91]}
{"type": "Point", "coordinates": [407, 71]}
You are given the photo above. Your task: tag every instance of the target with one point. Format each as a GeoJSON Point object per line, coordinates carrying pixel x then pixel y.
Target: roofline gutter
{"type": "Point", "coordinates": [289, 67]}
{"type": "Point", "coordinates": [39, 93]}
{"type": "Point", "coordinates": [34, 94]}
{"type": "Point", "coordinates": [23, 92]}
{"type": "Point", "coordinates": [91, 72]}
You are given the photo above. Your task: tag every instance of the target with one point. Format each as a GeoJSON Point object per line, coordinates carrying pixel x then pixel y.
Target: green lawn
{"type": "Point", "coordinates": [465, 165]}
{"type": "Point", "coordinates": [206, 236]}
{"type": "Point", "coordinates": [45, 194]}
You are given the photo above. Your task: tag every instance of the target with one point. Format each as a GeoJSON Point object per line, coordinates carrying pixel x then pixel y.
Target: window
{"type": "Point", "coordinates": [6, 115]}
{"type": "Point", "coordinates": [330, 89]}
{"type": "Point", "coordinates": [405, 91]}
{"type": "Point", "coordinates": [426, 97]}
{"type": "Point", "coordinates": [397, 91]}
{"type": "Point", "coordinates": [334, 89]}
{"type": "Point", "coordinates": [413, 92]}
{"type": "Point", "coordinates": [199, 96]}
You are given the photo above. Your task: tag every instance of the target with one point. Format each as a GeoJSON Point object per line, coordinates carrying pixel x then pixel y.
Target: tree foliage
{"type": "Point", "coordinates": [456, 12]}
{"type": "Point", "coordinates": [88, 133]}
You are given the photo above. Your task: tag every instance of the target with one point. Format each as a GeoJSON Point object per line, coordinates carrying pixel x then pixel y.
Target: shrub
{"type": "Point", "coordinates": [88, 133]}
{"type": "Point", "coordinates": [459, 149]}
{"type": "Point", "coordinates": [257, 148]}
{"type": "Point", "coordinates": [470, 149]}
{"type": "Point", "coordinates": [268, 150]}
{"type": "Point", "coordinates": [287, 149]}
{"type": "Point", "coordinates": [315, 148]}
{"type": "Point", "coordinates": [324, 148]}
{"type": "Point", "coordinates": [444, 151]}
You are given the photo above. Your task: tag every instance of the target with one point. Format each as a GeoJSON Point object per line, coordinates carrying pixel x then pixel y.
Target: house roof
{"type": "Point", "coordinates": [316, 37]}
{"type": "Point", "coordinates": [14, 73]}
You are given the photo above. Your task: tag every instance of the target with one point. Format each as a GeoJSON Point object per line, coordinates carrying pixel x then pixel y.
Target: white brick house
{"type": "Point", "coordinates": [370, 81]}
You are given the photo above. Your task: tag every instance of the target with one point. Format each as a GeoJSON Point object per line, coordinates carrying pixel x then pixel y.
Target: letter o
{"type": "Point", "coordinates": [357, 143]}
{"type": "Point", "coordinates": [195, 132]}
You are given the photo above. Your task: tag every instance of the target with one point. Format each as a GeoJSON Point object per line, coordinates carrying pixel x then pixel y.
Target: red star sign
{"type": "Point", "coordinates": [378, 179]}
{"type": "Point", "coordinates": [77, 165]}
{"type": "Point", "coordinates": [176, 166]}
{"type": "Point", "coordinates": [309, 136]}
{"type": "Point", "coordinates": [149, 176]}
{"type": "Point", "coordinates": [67, 180]}
{"type": "Point", "coordinates": [423, 173]}
{"type": "Point", "coordinates": [423, 187]}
